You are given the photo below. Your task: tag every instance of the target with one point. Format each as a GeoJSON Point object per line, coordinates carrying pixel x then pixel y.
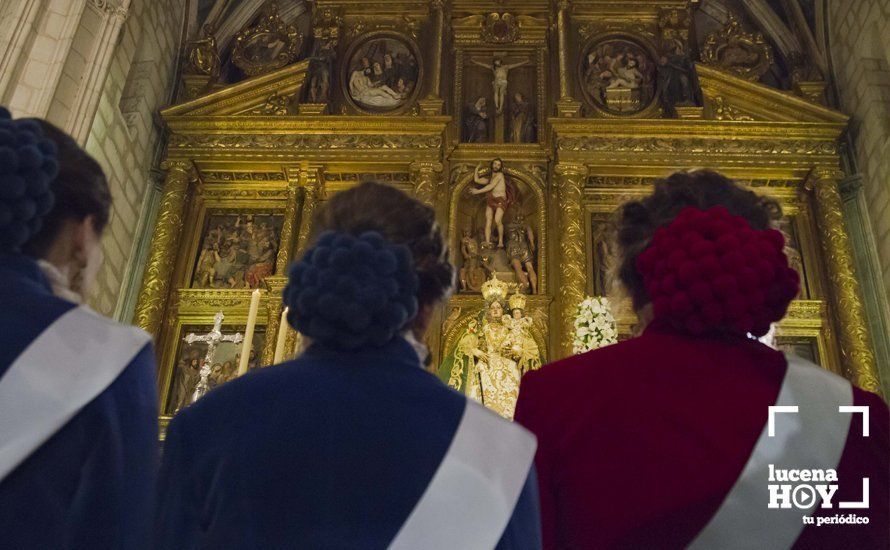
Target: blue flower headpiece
{"type": "Point", "coordinates": [349, 292]}
{"type": "Point", "coordinates": [28, 165]}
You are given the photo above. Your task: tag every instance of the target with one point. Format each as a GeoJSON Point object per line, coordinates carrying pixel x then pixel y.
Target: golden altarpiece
{"type": "Point", "coordinates": [584, 103]}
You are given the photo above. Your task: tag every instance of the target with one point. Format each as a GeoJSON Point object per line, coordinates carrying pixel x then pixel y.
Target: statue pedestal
{"type": "Point", "coordinates": [568, 108]}
{"type": "Point", "coordinates": [690, 112]}
{"type": "Point", "coordinates": [311, 108]}
{"type": "Point", "coordinates": [431, 106]}
{"type": "Point", "coordinates": [195, 84]}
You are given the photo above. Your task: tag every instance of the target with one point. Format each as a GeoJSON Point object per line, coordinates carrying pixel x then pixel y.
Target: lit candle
{"type": "Point", "coordinates": [248, 332]}
{"type": "Point", "coordinates": [282, 336]}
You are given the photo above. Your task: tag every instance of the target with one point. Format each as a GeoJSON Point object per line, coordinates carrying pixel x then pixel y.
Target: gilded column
{"type": "Point", "coordinates": [437, 7]}
{"type": "Point", "coordinates": [427, 182]}
{"type": "Point", "coordinates": [566, 105]}
{"type": "Point", "coordinates": [275, 286]}
{"type": "Point", "coordinates": [276, 283]}
{"type": "Point", "coordinates": [286, 246]}
{"type": "Point", "coordinates": [572, 272]}
{"type": "Point", "coordinates": [311, 195]}
{"type": "Point", "coordinates": [858, 358]}
{"type": "Point", "coordinates": [164, 246]}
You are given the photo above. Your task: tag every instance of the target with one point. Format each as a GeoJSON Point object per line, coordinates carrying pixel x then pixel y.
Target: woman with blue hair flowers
{"type": "Point", "coordinates": [354, 444]}
{"type": "Point", "coordinates": [78, 404]}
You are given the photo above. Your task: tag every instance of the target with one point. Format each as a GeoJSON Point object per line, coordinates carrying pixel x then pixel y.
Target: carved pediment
{"type": "Point", "coordinates": [269, 94]}
{"type": "Point", "coordinates": [730, 97]}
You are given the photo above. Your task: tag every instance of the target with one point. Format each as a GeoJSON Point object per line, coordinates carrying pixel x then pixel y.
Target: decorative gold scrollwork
{"type": "Point", "coordinates": [745, 54]}
{"type": "Point", "coordinates": [269, 45]}
{"type": "Point", "coordinates": [500, 28]}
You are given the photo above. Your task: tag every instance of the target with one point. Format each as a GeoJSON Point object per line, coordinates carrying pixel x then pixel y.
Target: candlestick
{"type": "Point", "coordinates": [248, 332]}
{"type": "Point", "coordinates": [282, 336]}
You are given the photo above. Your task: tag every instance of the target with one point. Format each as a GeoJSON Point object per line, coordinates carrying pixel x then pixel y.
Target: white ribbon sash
{"type": "Point", "coordinates": [70, 363]}
{"type": "Point", "coordinates": [471, 497]}
{"type": "Point", "coordinates": [812, 438]}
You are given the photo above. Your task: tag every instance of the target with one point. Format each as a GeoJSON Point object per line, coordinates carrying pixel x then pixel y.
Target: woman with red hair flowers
{"type": "Point", "coordinates": [670, 439]}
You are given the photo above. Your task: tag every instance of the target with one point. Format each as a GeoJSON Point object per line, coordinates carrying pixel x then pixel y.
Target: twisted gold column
{"type": "Point", "coordinates": [164, 246]}
{"type": "Point", "coordinates": [857, 356]}
{"type": "Point", "coordinates": [572, 271]}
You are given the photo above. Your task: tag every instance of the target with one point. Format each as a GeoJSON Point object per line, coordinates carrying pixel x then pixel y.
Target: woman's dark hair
{"type": "Point", "coordinates": [637, 221]}
{"type": "Point", "coordinates": [80, 190]}
{"type": "Point", "coordinates": [400, 219]}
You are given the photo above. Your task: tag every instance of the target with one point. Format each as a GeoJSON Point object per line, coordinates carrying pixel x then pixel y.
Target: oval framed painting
{"type": "Point", "coordinates": [382, 73]}
{"type": "Point", "coordinates": [618, 76]}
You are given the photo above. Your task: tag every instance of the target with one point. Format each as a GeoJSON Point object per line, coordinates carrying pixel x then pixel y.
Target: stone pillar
{"type": "Point", "coordinates": [164, 245]}
{"type": "Point", "coordinates": [427, 182]}
{"type": "Point", "coordinates": [858, 360]}
{"type": "Point", "coordinates": [83, 112]}
{"type": "Point", "coordinates": [572, 257]}
{"type": "Point", "coordinates": [566, 106]}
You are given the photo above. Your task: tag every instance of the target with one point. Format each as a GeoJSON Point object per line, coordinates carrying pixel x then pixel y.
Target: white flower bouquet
{"type": "Point", "coordinates": [594, 325]}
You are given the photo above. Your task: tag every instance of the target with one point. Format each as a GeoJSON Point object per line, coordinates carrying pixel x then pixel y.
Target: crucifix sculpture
{"type": "Point", "coordinates": [499, 71]}
{"type": "Point", "coordinates": [213, 339]}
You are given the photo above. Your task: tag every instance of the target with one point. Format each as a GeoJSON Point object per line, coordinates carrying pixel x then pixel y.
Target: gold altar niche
{"type": "Point", "coordinates": [426, 96]}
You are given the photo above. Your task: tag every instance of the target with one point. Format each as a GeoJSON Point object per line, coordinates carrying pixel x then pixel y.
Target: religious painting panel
{"type": "Point", "coordinates": [618, 75]}
{"type": "Point", "coordinates": [498, 230]}
{"type": "Point", "coordinates": [190, 357]}
{"type": "Point", "coordinates": [498, 102]}
{"type": "Point", "coordinates": [382, 73]}
{"type": "Point", "coordinates": [236, 249]}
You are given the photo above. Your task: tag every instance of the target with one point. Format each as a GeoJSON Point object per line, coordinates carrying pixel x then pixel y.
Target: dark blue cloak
{"type": "Point", "coordinates": [332, 450]}
{"type": "Point", "coordinates": [91, 484]}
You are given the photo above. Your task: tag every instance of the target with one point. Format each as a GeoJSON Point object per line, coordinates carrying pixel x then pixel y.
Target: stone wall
{"type": "Point", "coordinates": [125, 138]}
{"type": "Point", "coordinates": [859, 38]}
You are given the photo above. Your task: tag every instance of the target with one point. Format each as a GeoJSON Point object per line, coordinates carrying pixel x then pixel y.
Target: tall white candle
{"type": "Point", "coordinates": [248, 332]}
{"type": "Point", "coordinates": [282, 336]}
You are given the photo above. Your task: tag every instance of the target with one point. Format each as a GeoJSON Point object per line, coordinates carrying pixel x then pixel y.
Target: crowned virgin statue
{"type": "Point", "coordinates": [495, 351]}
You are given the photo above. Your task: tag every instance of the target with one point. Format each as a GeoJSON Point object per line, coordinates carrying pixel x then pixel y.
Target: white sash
{"type": "Point", "coordinates": [812, 438]}
{"type": "Point", "coordinates": [70, 363]}
{"type": "Point", "coordinates": [471, 497]}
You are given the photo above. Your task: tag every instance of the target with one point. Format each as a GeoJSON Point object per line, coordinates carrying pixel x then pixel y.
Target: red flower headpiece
{"type": "Point", "coordinates": [709, 271]}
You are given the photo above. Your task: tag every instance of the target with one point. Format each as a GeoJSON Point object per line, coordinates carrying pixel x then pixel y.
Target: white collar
{"type": "Point", "coordinates": [58, 282]}
{"type": "Point", "coordinates": [419, 347]}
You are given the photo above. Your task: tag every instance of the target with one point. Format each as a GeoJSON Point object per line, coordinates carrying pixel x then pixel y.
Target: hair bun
{"type": "Point", "coordinates": [349, 292]}
{"type": "Point", "coordinates": [709, 271]}
{"type": "Point", "coordinates": [28, 166]}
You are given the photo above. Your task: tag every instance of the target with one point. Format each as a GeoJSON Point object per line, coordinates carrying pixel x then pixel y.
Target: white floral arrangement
{"type": "Point", "coordinates": [594, 325]}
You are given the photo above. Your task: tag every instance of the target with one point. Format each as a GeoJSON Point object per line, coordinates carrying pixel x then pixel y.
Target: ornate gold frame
{"type": "Point", "coordinates": [355, 43]}
{"type": "Point", "coordinates": [652, 109]}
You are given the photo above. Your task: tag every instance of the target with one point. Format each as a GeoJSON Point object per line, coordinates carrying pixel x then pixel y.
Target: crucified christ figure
{"type": "Point", "coordinates": [500, 71]}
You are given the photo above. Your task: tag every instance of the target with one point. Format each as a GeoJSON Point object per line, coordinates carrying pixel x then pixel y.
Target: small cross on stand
{"type": "Point", "coordinates": [213, 339]}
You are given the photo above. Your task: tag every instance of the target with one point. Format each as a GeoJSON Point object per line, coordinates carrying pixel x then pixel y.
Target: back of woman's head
{"type": "Point", "coordinates": [377, 257]}
{"type": "Point", "coordinates": [46, 179]}
{"type": "Point", "coordinates": [80, 190]}
{"type": "Point", "coordinates": [701, 242]}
